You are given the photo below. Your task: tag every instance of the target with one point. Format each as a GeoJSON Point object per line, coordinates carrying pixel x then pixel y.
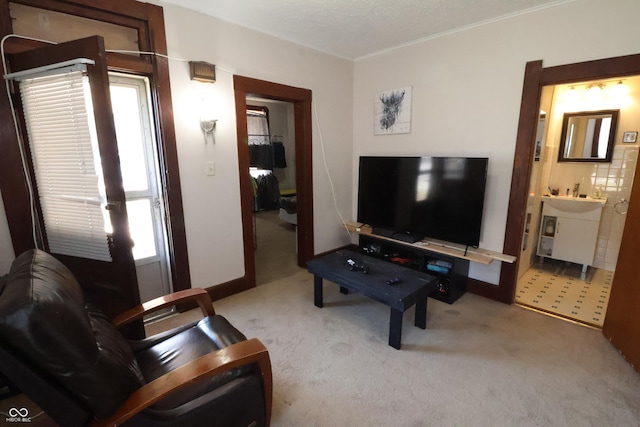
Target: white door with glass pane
{"type": "Point", "coordinates": [138, 164]}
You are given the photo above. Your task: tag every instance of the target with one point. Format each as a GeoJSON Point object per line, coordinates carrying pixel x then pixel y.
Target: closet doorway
{"type": "Point", "coordinates": [272, 157]}
{"type": "Point", "coordinates": [301, 100]}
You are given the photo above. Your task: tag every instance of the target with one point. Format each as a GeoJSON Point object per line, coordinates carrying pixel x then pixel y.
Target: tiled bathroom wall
{"type": "Point", "coordinates": [614, 180]}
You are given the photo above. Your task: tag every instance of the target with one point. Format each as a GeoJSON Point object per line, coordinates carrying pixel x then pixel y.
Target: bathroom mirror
{"type": "Point", "coordinates": [588, 136]}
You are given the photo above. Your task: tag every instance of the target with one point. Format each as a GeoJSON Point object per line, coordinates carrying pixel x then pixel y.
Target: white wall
{"type": "Point", "coordinates": [467, 88]}
{"type": "Point", "coordinates": [212, 203]}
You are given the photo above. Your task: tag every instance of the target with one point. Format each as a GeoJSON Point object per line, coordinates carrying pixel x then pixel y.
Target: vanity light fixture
{"type": "Point", "coordinates": [571, 98]}
{"type": "Point", "coordinates": [598, 85]}
{"type": "Point", "coordinates": [596, 95]}
{"type": "Point", "coordinates": [620, 90]}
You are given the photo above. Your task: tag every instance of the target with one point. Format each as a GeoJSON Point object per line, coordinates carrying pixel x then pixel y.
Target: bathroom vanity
{"type": "Point", "coordinates": [569, 228]}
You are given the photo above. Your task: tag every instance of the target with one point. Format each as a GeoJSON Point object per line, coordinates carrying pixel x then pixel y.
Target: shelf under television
{"type": "Point", "coordinates": [479, 255]}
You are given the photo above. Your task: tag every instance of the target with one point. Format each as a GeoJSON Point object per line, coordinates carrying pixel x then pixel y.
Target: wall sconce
{"type": "Point", "coordinates": [202, 71]}
{"type": "Point", "coordinates": [207, 120]}
{"type": "Point", "coordinates": [208, 127]}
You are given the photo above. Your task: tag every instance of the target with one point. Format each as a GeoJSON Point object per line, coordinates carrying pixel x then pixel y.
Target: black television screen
{"type": "Point", "coordinates": [437, 197]}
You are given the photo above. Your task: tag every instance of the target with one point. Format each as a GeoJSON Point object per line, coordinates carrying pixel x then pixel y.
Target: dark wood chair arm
{"type": "Point", "coordinates": [188, 295]}
{"type": "Point", "coordinates": [242, 353]}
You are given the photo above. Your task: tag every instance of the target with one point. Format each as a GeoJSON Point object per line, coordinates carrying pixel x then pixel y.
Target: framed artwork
{"type": "Point", "coordinates": [392, 112]}
{"type": "Point", "coordinates": [630, 137]}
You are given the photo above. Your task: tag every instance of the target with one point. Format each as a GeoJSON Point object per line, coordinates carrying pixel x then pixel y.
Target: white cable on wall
{"type": "Point", "coordinates": [23, 157]}
{"type": "Point", "coordinates": [326, 166]}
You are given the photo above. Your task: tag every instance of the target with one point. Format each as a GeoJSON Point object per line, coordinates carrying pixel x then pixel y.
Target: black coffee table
{"type": "Point", "coordinates": [413, 287]}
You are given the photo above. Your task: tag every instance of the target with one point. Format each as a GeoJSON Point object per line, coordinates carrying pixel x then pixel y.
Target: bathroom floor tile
{"type": "Point", "coordinates": [559, 288]}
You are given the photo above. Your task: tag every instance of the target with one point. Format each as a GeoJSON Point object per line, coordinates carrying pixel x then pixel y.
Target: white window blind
{"type": "Point", "coordinates": [62, 136]}
{"type": "Point", "coordinates": [257, 127]}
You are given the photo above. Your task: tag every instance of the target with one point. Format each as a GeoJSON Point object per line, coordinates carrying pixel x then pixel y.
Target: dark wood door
{"type": "Point", "coordinates": [111, 285]}
{"type": "Point", "coordinates": [622, 323]}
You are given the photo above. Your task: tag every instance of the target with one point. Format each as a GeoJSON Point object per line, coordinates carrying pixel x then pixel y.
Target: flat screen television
{"type": "Point", "coordinates": [410, 198]}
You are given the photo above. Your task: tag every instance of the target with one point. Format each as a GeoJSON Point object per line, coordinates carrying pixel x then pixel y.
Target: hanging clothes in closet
{"type": "Point", "coordinates": [268, 192]}
{"type": "Point", "coordinates": [265, 154]}
{"type": "Point", "coordinates": [254, 193]}
{"type": "Point", "coordinates": [261, 156]}
{"type": "Point", "coordinates": [260, 148]}
{"type": "Point", "coordinates": [279, 158]}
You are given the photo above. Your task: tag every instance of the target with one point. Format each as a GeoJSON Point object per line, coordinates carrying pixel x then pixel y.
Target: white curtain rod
{"type": "Point", "coordinates": [70, 65]}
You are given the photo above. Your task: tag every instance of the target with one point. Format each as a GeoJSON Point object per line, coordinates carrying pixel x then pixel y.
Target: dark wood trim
{"type": "Point", "coordinates": [529, 112]}
{"type": "Point", "coordinates": [536, 78]}
{"type": "Point", "coordinates": [149, 20]}
{"type": "Point", "coordinates": [246, 199]}
{"type": "Point", "coordinates": [301, 98]}
{"type": "Point", "coordinates": [129, 64]}
{"type": "Point", "coordinates": [12, 182]}
{"type": "Point", "coordinates": [487, 290]}
{"type": "Point", "coordinates": [125, 13]}
{"type": "Point", "coordinates": [269, 90]}
{"type": "Point", "coordinates": [304, 179]}
{"type": "Point", "coordinates": [620, 66]}
{"type": "Point", "coordinates": [163, 108]}
{"type": "Point", "coordinates": [229, 288]}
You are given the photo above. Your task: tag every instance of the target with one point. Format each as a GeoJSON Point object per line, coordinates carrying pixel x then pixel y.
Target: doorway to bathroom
{"type": "Point", "coordinates": [547, 280]}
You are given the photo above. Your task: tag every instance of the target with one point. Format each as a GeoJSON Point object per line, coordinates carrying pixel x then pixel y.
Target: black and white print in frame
{"type": "Point", "coordinates": [392, 112]}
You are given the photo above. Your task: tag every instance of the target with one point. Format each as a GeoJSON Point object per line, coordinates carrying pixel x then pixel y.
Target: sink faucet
{"type": "Point", "coordinates": [576, 189]}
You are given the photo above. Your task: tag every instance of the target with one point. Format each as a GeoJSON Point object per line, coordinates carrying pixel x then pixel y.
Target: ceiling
{"type": "Point", "coordinates": [355, 29]}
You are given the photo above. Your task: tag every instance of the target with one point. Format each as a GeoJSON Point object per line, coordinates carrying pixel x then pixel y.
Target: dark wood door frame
{"type": "Point", "coordinates": [301, 100]}
{"type": "Point", "coordinates": [535, 79]}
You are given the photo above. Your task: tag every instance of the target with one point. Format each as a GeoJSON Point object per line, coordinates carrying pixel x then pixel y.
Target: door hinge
{"type": "Point", "coordinates": [114, 206]}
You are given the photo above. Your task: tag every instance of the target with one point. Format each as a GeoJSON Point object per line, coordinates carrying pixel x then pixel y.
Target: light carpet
{"type": "Point", "coordinates": [275, 247]}
{"type": "Point", "coordinates": [478, 363]}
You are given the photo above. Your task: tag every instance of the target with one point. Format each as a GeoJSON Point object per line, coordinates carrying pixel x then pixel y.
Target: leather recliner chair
{"type": "Point", "coordinates": [71, 360]}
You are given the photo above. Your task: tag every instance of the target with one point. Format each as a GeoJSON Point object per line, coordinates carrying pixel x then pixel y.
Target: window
{"type": "Point", "coordinates": [137, 148]}
{"type": "Point", "coordinates": [258, 125]}
{"type": "Point", "coordinates": [59, 115]}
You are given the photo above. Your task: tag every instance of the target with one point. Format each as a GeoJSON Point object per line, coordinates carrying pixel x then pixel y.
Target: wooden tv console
{"type": "Point", "coordinates": [447, 261]}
